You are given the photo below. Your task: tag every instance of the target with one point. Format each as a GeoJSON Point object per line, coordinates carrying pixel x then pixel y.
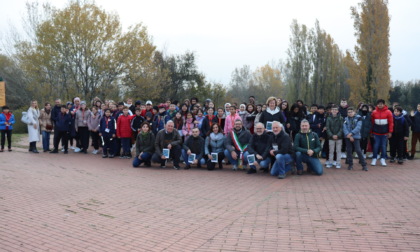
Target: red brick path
{"type": "Point", "coordinates": [82, 202]}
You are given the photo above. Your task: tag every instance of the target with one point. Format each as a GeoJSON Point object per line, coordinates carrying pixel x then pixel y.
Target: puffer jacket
{"type": "Point", "coordinates": [335, 126]}
{"type": "Point", "coordinates": [213, 144]}
{"type": "Point", "coordinates": [124, 126]}
{"type": "Point", "coordinates": [81, 118]}
{"type": "Point", "coordinates": [10, 118]}
{"type": "Point", "coordinates": [94, 121]}
{"type": "Point", "coordinates": [366, 125]}
{"type": "Point", "coordinates": [353, 125]}
{"type": "Point", "coordinates": [382, 121]}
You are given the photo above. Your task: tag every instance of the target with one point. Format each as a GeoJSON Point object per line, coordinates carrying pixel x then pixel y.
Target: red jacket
{"type": "Point", "coordinates": [382, 121]}
{"type": "Point", "coordinates": [124, 126]}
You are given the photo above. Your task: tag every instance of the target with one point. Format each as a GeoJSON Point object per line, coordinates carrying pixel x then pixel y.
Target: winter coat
{"type": "Point", "coordinates": [208, 121]}
{"type": "Point", "coordinates": [307, 141]}
{"type": "Point", "coordinates": [243, 115]}
{"type": "Point", "coordinates": [33, 117]}
{"type": "Point", "coordinates": [145, 143]}
{"type": "Point", "coordinates": [366, 125]}
{"type": "Point", "coordinates": [161, 142]}
{"type": "Point", "coordinates": [124, 126]}
{"type": "Point", "coordinates": [259, 144]}
{"type": "Point", "coordinates": [335, 126]}
{"type": "Point", "coordinates": [195, 145]}
{"type": "Point", "coordinates": [81, 118]}
{"type": "Point", "coordinates": [401, 128]}
{"type": "Point", "coordinates": [283, 141]}
{"type": "Point", "coordinates": [159, 122]}
{"type": "Point", "coordinates": [415, 120]}
{"type": "Point", "coordinates": [382, 121]}
{"type": "Point", "coordinates": [9, 118]}
{"type": "Point", "coordinates": [353, 125]}
{"type": "Point", "coordinates": [54, 112]}
{"type": "Point", "coordinates": [94, 121]}
{"type": "Point", "coordinates": [294, 119]}
{"type": "Point", "coordinates": [243, 136]}
{"type": "Point", "coordinates": [62, 122]}
{"type": "Point", "coordinates": [230, 122]}
{"type": "Point", "coordinates": [107, 123]}
{"type": "Point", "coordinates": [214, 143]}
{"type": "Point", "coordinates": [249, 120]}
{"type": "Point", "coordinates": [270, 116]}
{"type": "Point", "coordinates": [45, 119]}
{"type": "Point", "coordinates": [257, 118]}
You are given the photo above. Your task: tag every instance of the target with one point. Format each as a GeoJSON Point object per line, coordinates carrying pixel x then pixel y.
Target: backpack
{"type": "Point", "coordinates": [25, 118]}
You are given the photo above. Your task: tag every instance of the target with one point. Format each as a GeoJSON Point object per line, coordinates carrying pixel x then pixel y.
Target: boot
{"type": "Point", "coordinates": [31, 147]}
{"type": "Point", "coordinates": [220, 165]}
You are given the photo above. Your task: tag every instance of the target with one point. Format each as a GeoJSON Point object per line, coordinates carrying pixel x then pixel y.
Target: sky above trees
{"type": "Point", "coordinates": [229, 34]}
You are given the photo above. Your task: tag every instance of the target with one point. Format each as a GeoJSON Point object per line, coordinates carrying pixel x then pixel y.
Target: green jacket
{"type": "Point", "coordinates": [307, 141]}
{"type": "Point", "coordinates": [145, 143]}
{"type": "Point", "coordinates": [335, 126]}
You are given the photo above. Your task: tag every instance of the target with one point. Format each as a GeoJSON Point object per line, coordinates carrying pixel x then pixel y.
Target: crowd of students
{"type": "Point", "coordinates": [263, 135]}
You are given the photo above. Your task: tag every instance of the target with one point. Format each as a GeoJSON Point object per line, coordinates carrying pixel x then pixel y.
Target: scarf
{"type": "Point", "coordinates": [272, 112]}
{"type": "Point", "coordinates": [216, 137]}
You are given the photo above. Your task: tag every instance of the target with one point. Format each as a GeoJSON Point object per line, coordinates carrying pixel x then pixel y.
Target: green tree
{"type": "Point", "coordinates": [369, 66]}
{"type": "Point", "coordinates": [81, 50]}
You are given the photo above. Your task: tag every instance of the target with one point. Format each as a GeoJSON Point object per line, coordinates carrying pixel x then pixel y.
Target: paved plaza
{"type": "Point", "coordinates": [79, 202]}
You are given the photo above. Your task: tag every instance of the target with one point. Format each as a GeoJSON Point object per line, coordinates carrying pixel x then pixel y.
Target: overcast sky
{"type": "Point", "coordinates": [228, 34]}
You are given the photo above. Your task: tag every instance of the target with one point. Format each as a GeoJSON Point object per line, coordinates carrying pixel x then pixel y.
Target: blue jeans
{"type": "Point", "coordinates": [380, 143]}
{"type": "Point", "coordinates": [46, 140]}
{"type": "Point", "coordinates": [235, 162]}
{"type": "Point", "coordinates": [126, 142]}
{"type": "Point", "coordinates": [313, 163]}
{"type": "Point", "coordinates": [263, 163]}
{"type": "Point", "coordinates": [146, 157]}
{"type": "Point", "coordinates": [185, 157]}
{"type": "Point", "coordinates": [282, 164]}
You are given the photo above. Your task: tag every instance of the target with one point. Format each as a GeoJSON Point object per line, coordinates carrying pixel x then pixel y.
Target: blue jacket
{"type": "Point", "coordinates": [63, 122]}
{"type": "Point", "coordinates": [353, 125]}
{"type": "Point", "coordinates": [111, 126]}
{"type": "Point", "coordinates": [3, 121]}
{"type": "Point", "coordinates": [366, 125]}
{"type": "Point", "coordinates": [316, 119]}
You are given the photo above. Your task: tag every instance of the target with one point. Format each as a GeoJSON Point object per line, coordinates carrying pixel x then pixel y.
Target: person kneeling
{"type": "Point", "coordinates": [168, 139]}
{"type": "Point", "coordinates": [194, 145]}
{"type": "Point", "coordinates": [307, 147]}
{"type": "Point", "coordinates": [281, 150]}
{"type": "Point", "coordinates": [258, 146]}
{"type": "Point", "coordinates": [145, 146]}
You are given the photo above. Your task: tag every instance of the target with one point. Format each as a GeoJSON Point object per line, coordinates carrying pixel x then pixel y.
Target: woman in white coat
{"type": "Point", "coordinates": [33, 126]}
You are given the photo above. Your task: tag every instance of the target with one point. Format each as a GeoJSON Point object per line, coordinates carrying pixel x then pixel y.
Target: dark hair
{"type": "Point", "coordinates": [321, 107]}
{"type": "Point", "coordinates": [350, 108]}
{"type": "Point", "coordinates": [314, 105]}
{"type": "Point", "coordinates": [399, 109]}
{"type": "Point", "coordinates": [146, 123]}
{"type": "Point", "coordinates": [211, 129]}
{"type": "Point", "coordinates": [95, 107]}
{"type": "Point", "coordinates": [232, 106]}
{"type": "Point", "coordinates": [121, 104]}
{"type": "Point", "coordinates": [63, 106]}
{"type": "Point", "coordinates": [343, 99]}
{"type": "Point", "coordinates": [194, 98]}
{"type": "Point", "coordinates": [107, 110]}
{"type": "Point", "coordinates": [380, 101]}
{"type": "Point", "coordinates": [138, 109]}
{"type": "Point", "coordinates": [253, 107]}
{"type": "Point", "coordinates": [45, 104]}
{"type": "Point", "coordinates": [5, 107]}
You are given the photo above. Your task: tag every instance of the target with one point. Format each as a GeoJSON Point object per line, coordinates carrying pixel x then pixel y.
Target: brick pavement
{"type": "Point", "coordinates": [85, 203]}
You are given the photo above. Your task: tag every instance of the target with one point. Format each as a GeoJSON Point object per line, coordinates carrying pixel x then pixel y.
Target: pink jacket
{"type": "Point", "coordinates": [187, 128]}
{"type": "Point", "coordinates": [230, 122]}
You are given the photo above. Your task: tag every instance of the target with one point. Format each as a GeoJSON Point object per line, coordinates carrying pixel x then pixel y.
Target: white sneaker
{"type": "Point", "coordinates": [364, 156]}
{"type": "Point", "coordinates": [76, 149]}
{"type": "Point", "coordinates": [235, 167]}
{"type": "Point", "coordinates": [383, 163]}
{"type": "Point", "coordinates": [343, 156]}
{"type": "Point", "coordinates": [62, 150]}
{"type": "Point", "coordinates": [370, 155]}
{"type": "Point", "coordinates": [95, 152]}
{"type": "Point", "coordinates": [338, 165]}
{"type": "Point", "coordinates": [328, 164]}
{"type": "Point", "coordinates": [373, 162]}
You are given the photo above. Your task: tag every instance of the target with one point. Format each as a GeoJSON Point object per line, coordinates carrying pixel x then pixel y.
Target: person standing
{"type": "Point", "coordinates": [46, 125]}
{"type": "Point", "coordinates": [94, 121]}
{"type": "Point", "coordinates": [62, 126]}
{"type": "Point", "coordinates": [382, 128]}
{"type": "Point", "coordinates": [81, 126]}
{"type": "Point", "coordinates": [272, 113]}
{"type": "Point", "coordinates": [335, 137]}
{"type": "Point", "coordinates": [352, 135]}
{"type": "Point", "coordinates": [33, 126]}
{"type": "Point", "coordinates": [7, 119]}
{"type": "Point", "coordinates": [415, 128]}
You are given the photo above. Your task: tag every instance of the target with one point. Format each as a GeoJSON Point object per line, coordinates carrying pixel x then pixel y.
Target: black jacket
{"type": "Point", "coordinates": [283, 142]}
{"type": "Point", "coordinates": [259, 145]}
{"type": "Point", "coordinates": [267, 117]}
{"type": "Point", "coordinates": [196, 145]}
{"type": "Point", "coordinates": [415, 120]}
{"type": "Point", "coordinates": [244, 136]}
{"type": "Point", "coordinates": [401, 128]}
{"type": "Point", "coordinates": [63, 122]}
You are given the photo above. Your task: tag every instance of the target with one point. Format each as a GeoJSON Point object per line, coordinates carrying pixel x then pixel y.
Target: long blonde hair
{"type": "Point", "coordinates": [37, 108]}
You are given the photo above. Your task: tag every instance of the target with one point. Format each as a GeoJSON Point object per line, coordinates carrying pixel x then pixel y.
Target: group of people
{"type": "Point", "coordinates": [267, 136]}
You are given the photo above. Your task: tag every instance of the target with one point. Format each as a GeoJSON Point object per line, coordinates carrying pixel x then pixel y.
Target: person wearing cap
{"type": "Point", "coordinates": [81, 126]}
{"type": "Point", "coordinates": [137, 104]}
{"type": "Point", "coordinates": [149, 108]}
